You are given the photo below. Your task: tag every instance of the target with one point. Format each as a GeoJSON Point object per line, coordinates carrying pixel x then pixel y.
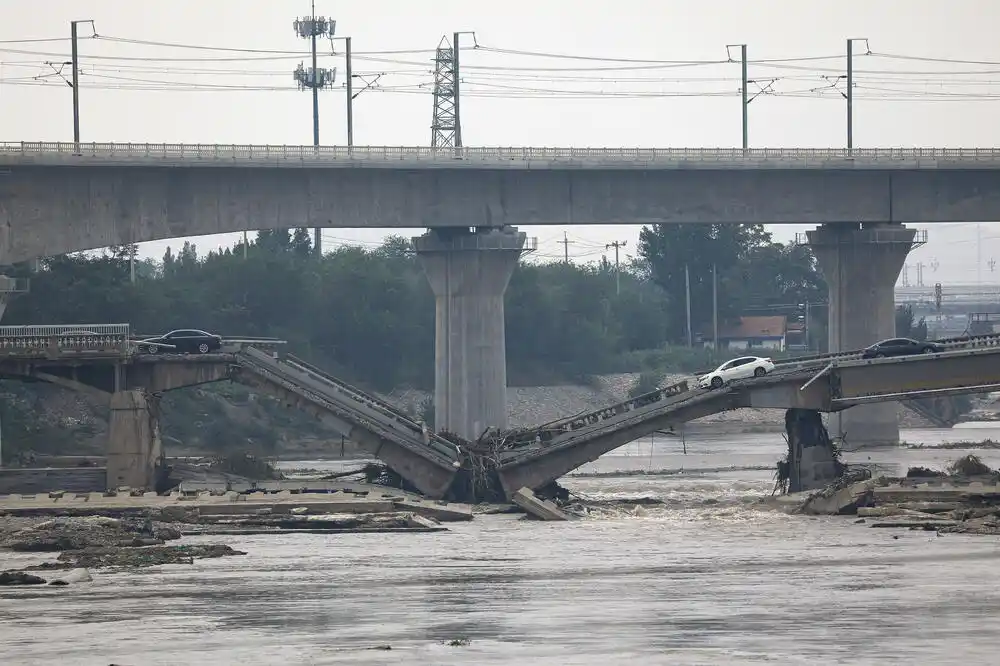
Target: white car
{"type": "Point", "coordinates": [738, 368]}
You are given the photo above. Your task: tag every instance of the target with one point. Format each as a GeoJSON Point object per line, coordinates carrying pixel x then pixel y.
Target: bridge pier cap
{"type": "Point", "coordinates": [468, 271]}
{"type": "Point", "coordinates": [861, 263]}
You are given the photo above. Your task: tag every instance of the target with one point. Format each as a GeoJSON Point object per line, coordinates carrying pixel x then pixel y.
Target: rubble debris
{"type": "Point", "coordinates": [20, 578]}
{"type": "Point", "coordinates": [844, 500]}
{"type": "Point", "coordinates": [923, 473]}
{"type": "Point", "coordinates": [538, 508]}
{"type": "Point", "coordinates": [318, 524]}
{"type": "Point", "coordinates": [62, 534]}
{"type": "Point", "coordinates": [969, 465]}
{"type": "Point", "coordinates": [963, 499]}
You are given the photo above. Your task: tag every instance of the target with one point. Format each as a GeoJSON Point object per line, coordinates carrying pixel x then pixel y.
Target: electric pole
{"type": "Point", "coordinates": [850, 92]}
{"type": "Point", "coordinates": [457, 83]}
{"type": "Point", "coordinates": [314, 79]}
{"type": "Point", "coordinates": [75, 85]}
{"type": "Point", "coordinates": [743, 58]}
{"type": "Point", "coordinates": [445, 96]}
{"type": "Point", "coordinates": [687, 290]}
{"type": "Point", "coordinates": [565, 243]}
{"type": "Point", "coordinates": [715, 307]}
{"type": "Point", "coordinates": [618, 281]}
{"type": "Point", "coordinates": [743, 89]}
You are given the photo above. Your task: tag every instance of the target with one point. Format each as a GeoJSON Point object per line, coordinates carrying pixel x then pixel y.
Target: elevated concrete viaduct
{"type": "Point", "coordinates": [60, 198]}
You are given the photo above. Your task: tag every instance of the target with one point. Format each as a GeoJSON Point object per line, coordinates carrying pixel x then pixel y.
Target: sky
{"type": "Point", "coordinates": [927, 74]}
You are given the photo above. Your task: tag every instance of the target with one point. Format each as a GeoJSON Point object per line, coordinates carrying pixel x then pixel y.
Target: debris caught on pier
{"type": "Point", "coordinates": [964, 498]}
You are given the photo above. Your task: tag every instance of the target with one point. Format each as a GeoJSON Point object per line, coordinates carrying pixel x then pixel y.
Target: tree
{"type": "Point", "coordinates": [301, 243]}
{"type": "Point", "coordinates": [906, 327]}
{"type": "Point", "coordinates": [748, 267]}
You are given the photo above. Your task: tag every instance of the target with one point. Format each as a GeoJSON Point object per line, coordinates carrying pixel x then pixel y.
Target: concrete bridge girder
{"type": "Point", "coordinates": [963, 371]}
{"type": "Point", "coordinates": [55, 209]}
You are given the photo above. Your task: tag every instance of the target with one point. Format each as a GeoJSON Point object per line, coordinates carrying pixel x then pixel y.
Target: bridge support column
{"type": "Point", "coordinates": [134, 449]}
{"type": "Point", "coordinates": [861, 263]}
{"type": "Point", "coordinates": [468, 272]}
{"type": "Point", "coordinates": [812, 460]}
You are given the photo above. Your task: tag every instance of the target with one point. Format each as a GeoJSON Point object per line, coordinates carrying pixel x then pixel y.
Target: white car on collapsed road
{"type": "Point", "coordinates": [738, 368]}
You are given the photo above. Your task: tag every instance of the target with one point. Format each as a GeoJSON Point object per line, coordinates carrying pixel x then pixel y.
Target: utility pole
{"type": "Point", "coordinates": [715, 307]}
{"type": "Point", "coordinates": [743, 89]}
{"type": "Point", "coordinates": [245, 244]}
{"type": "Point", "coordinates": [979, 256]}
{"type": "Point", "coordinates": [565, 243]}
{"type": "Point", "coordinates": [458, 82]}
{"type": "Point", "coordinates": [445, 97]}
{"type": "Point", "coordinates": [350, 92]}
{"type": "Point", "coordinates": [850, 96]}
{"type": "Point", "coordinates": [808, 339]}
{"type": "Point", "coordinates": [743, 58]}
{"type": "Point", "coordinates": [76, 86]}
{"type": "Point", "coordinates": [850, 93]}
{"type": "Point", "coordinates": [315, 79]}
{"type": "Point", "coordinates": [687, 290]}
{"type": "Point", "coordinates": [618, 282]}
{"type": "Point", "coordinates": [75, 63]}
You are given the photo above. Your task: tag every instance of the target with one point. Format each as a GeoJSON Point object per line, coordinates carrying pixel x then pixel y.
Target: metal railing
{"type": "Point", "coordinates": [318, 154]}
{"type": "Point", "coordinates": [49, 340]}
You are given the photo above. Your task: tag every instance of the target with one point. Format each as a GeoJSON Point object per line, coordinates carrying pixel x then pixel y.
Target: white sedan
{"type": "Point", "coordinates": [738, 368]}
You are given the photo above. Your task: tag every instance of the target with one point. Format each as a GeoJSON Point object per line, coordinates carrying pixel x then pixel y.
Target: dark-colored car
{"type": "Point", "coordinates": [901, 347]}
{"type": "Point", "coordinates": [183, 341]}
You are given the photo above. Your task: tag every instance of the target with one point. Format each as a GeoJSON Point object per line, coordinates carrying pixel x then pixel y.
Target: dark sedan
{"type": "Point", "coordinates": [183, 341]}
{"type": "Point", "coordinates": [901, 347]}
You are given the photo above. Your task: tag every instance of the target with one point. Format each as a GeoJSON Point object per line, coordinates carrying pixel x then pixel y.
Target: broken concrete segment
{"type": "Point", "coordinates": [538, 508]}
{"type": "Point", "coordinates": [843, 501]}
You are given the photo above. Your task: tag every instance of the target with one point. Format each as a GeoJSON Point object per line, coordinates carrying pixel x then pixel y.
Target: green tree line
{"type": "Point", "coordinates": [368, 314]}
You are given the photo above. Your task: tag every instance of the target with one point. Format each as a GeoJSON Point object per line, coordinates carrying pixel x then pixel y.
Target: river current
{"type": "Point", "coordinates": [708, 578]}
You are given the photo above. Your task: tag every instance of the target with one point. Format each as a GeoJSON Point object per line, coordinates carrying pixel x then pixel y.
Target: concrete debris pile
{"type": "Point", "coordinates": [99, 541]}
{"type": "Point", "coordinates": [297, 520]}
{"type": "Point", "coordinates": [965, 499]}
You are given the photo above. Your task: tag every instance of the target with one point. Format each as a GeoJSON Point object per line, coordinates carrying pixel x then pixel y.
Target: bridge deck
{"type": "Point", "coordinates": [535, 457]}
{"type": "Point", "coordinates": [406, 157]}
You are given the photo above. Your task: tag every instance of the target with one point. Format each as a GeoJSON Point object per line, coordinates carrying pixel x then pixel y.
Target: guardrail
{"type": "Point", "coordinates": [960, 342]}
{"type": "Point", "coordinates": [47, 340]}
{"type": "Point", "coordinates": [264, 152]}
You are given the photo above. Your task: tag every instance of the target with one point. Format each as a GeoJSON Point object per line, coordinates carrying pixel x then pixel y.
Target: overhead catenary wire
{"type": "Point", "coordinates": [622, 78]}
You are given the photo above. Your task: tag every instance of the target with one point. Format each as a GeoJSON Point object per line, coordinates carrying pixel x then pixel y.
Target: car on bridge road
{"type": "Point", "coordinates": [738, 368]}
{"type": "Point", "coordinates": [182, 341]}
{"type": "Point", "coordinates": [901, 347]}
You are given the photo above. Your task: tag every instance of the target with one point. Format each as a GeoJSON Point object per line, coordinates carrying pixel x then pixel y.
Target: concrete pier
{"type": "Point", "coordinates": [134, 448]}
{"type": "Point", "coordinates": [861, 263]}
{"type": "Point", "coordinates": [812, 461]}
{"type": "Point", "coordinates": [468, 272]}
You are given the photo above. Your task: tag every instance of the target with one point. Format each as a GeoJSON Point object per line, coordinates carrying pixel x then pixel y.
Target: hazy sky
{"type": "Point", "coordinates": [145, 93]}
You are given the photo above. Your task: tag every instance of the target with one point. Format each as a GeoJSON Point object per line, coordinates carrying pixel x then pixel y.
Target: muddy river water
{"type": "Point", "coordinates": [705, 579]}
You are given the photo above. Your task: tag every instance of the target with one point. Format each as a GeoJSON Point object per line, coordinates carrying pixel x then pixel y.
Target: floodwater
{"type": "Point", "coordinates": [707, 579]}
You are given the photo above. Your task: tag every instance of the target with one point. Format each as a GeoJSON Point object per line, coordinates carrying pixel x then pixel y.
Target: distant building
{"type": "Point", "coordinates": [751, 333]}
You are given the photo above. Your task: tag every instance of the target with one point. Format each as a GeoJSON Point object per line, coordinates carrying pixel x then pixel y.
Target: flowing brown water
{"type": "Point", "coordinates": [706, 579]}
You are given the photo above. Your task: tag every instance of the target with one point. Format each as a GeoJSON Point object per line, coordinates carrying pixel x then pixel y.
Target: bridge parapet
{"type": "Point", "coordinates": [517, 157]}
{"type": "Point", "coordinates": [48, 341]}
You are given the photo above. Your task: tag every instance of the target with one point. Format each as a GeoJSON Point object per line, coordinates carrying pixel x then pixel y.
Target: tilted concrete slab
{"type": "Point", "coordinates": [834, 387]}
{"type": "Point", "coordinates": [423, 458]}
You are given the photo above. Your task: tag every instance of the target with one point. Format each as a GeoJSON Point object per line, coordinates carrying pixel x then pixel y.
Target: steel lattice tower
{"type": "Point", "coordinates": [443, 123]}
